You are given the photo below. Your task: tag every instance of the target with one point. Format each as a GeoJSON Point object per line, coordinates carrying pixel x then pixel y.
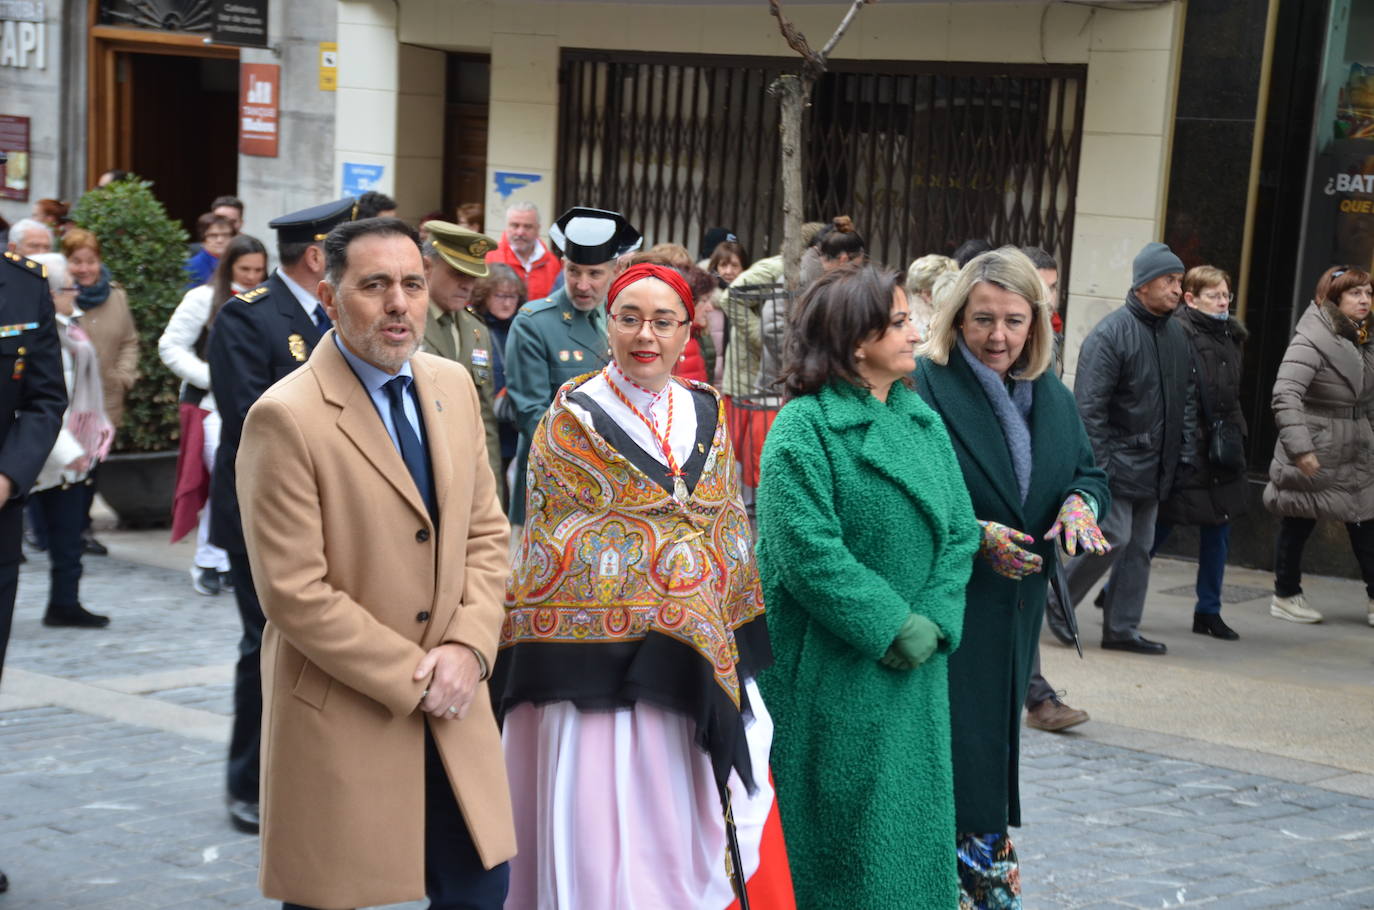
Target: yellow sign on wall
{"type": "Point", "coordinates": [329, 66]}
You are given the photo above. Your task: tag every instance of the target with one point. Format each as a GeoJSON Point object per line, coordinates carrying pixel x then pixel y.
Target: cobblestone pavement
{"type": "Point", "coordinates": [111, 783]}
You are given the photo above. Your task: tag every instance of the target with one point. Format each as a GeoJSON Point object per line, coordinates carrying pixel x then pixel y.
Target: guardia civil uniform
{"type": "Point", "coordinates": [257, 338]}
{"type": "Point", "coordinates": [550, 340]}
{"type": "Point", "coordinates": [463, 336]}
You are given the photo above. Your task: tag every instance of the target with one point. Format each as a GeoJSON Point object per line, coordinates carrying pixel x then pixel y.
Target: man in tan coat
{"type": "Point", "coordinates": [378, 549]}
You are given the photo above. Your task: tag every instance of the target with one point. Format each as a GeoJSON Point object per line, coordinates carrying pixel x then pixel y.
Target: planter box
{"type": "Point", "coordinates": [139, 487]}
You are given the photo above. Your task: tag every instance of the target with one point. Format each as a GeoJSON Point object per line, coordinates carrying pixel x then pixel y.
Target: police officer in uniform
{"type": "Point", "coordinates": [564, 335]}
{"type": "Point", "coordinates": [33, 396]}
{"type": "Point", "coordinates": [455, 258]}
{"type": "Point", "coordinates": [258, 337]}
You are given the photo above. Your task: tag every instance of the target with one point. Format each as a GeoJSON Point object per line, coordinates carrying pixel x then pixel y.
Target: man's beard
{"type": "Point", "coordinates": [371, 345]}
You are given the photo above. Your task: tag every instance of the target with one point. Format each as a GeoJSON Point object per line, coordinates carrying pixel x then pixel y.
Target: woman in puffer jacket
{"type": "Point", "coordinates": [1323, 465]}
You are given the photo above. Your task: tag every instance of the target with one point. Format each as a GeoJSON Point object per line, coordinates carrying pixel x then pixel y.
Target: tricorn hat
{"type": "Point", "coordinates": [593, 236]}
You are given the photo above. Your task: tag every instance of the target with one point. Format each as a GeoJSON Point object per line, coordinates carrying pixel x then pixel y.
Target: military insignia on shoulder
{"type": "Point", "coordinates": [254, 294]}
{"type": "Point", "coordinates": [41, 270]}
{"type": "Point", "coordinates": [296, 345]}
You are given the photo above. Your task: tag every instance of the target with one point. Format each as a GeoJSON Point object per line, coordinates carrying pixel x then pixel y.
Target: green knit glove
{"type": "Point", "coordinates": [917, 640]}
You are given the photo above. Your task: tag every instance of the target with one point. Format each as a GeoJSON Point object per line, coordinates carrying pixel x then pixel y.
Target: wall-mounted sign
{"type": "Point", "coordinates": [329, 66]}
{"type": "Point", "coordinates": [23, 34]}
{"type": "Point", "coordinates": [241, 22]}
{"type": "Point", "coordinates": [361, 178]}
{"type": "Point", "coordinates": [259, 85]}
{"type": "Point", "coordinates": [14, 141]}
{"type": "Point", "coordinates": [508, 182]}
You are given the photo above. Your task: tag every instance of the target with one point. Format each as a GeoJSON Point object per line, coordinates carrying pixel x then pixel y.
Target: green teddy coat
{"type": "Point", "coordinates": [863, 519]}
{"type": "Point", "coordinates": [989, 674]}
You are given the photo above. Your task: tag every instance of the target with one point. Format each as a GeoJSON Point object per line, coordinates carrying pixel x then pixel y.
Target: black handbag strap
{"type": "Point", "coordinates": [1201, 388]}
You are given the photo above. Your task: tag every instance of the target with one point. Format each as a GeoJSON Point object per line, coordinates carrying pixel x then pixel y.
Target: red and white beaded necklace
{"type": "Point", "coordinates": [663, 439]}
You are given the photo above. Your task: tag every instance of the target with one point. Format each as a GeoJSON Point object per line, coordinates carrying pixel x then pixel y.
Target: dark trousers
{"type": "Point", "coordinates": [1293, 534]}
{"type": "Point", "coordinates": [9, 588]}
{"type": "Point", "coordinates": [63, 514]}
{"type": "Point", "coordinates": [1214, 543]}
{"type": "Point", "coordinates": [454, 876]}
{"type": "Point", "coordinates": [246, 737]}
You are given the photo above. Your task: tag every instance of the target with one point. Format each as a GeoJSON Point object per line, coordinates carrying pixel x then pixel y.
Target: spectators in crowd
{"type": "Point", "coordinates": [522, 250]}
{"type": "Point", "coordinates": [497, 298]}
{"type": "Point", "coordinates": [1215, 494]}
{"type": "Point", "coordinates": [1324, 457]}
{"type": "Point", "coordinates": [214, 232]}
{"type": "Point", "coordinates": [29, 237]}
{"type": "Point", "coordinates": [242, 266]}
{"type": "Point", "coordinates": [1134, 391]}
{"type": "Point", "coordinates": [53, 213]}
{"type": "Point", "coordinates": [230, 207]}
{"type": "Point", "coordinates": [727, 260]}
{"type": "Point", "coordinates": [60, 490]}
{"type": "Point", "coordinates": [373, 204]}
{"type": "Point", "coordinates": [1028, 466]}
{"type": "Point", "coordinates": [865, 543]}
{"type": "Point", "coordinates": [470, 216]}
{"type": "Point", "coordinates": [920, 282]}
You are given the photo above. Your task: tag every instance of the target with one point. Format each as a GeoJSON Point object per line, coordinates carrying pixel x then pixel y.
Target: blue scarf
{"type": "Point", "coordinates": [94, 295]}
{"type": "Point", "coordinates": [1012, 407]}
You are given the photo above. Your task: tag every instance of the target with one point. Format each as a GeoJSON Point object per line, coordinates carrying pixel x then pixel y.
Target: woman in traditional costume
{"type": "Point", "coordinates": [632, 725]}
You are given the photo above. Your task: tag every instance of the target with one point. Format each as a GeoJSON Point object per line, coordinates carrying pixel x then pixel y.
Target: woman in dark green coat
{"type": "Point", "coordinates": [865, 542]}
{"type": "Point", "coordinates": [1030, 472]}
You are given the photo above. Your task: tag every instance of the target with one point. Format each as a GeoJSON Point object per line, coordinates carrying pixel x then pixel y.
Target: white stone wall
{"type": "Point", "coordinates": [38, 94]}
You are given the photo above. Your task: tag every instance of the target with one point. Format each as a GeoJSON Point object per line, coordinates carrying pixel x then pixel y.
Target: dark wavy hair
{"type": "Point", "coordinates": [840, 239]}
{"type": "Point", "coordinates": [223, 278]}
{"type": "Point", "coordinates": [840, 311]}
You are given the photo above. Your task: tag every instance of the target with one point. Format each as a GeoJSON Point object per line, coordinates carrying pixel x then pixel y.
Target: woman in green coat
{"type": "Point", "coordinates": [865, 542]}
{"type": "Point", "coordinates": [1029, 469]}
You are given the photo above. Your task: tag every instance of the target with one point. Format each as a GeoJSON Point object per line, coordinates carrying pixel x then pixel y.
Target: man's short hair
{"type": "Point", "coordinates": [24, 225]}
{"type": "Point", "coordinates": [337, 243]}
{"type": "Point", "coordinates": [524, 205]}
{"type": "Point", "coordinates": [1040, 257]}
{"type": "Point", "coordinates": [288, 254]}
{"type": "Point", "coordinates": [372, 203]}
{"type": "Point", "coordinates": [231, 201]}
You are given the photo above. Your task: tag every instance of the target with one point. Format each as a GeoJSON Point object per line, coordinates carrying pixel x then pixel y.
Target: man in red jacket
{"type": "Point", "coordinates": [521, 249]}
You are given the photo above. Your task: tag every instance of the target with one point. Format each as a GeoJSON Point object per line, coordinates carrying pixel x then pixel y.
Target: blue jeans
{"type": "Point", "coordinates": [1214, 542]}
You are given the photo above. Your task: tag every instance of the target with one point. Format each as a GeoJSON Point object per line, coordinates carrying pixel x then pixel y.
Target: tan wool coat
{"type": "Point", "coordinates": [357, 584]}
{"type": "Point", "coordinates": [115, 339]}
{"type": "Point", "coordinates": [1323, 402]}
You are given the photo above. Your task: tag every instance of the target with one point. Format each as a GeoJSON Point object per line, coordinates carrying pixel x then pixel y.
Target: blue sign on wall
{"type": "Point", "coordinates": [508, 182]}
{"type": "Point", "coordinates": [360, 178]}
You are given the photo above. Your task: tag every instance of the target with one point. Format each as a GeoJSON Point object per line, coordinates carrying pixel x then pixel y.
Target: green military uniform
{"type": "Point", "coordinates": [550, 342]}
{"type": "Point", "coordinates": [464, 337]}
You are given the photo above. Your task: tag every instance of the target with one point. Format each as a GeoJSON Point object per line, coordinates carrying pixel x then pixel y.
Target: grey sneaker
{"type": "Point", "coordinates": [1293, 609]}
{"type": "Point", "coordinates": [205, 581]}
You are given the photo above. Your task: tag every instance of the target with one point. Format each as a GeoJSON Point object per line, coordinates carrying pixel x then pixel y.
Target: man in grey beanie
{"type": "Point", "coordinates": [1134, 391]}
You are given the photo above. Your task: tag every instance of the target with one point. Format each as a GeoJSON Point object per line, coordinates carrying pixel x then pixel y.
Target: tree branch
{"type": "Point", "coordinates": [839, 32]}
{"type": "Point", "coordinates": [795, 39]}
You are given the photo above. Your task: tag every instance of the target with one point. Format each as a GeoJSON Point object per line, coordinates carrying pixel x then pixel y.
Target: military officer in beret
{"type": "Point", "coordinates": [256, 338]}
{"type": "Point", "coordinates": [455, 258]}
{"type": "Point", "coordinates": [33, 396]}
{"type": "Point", "coordinates": [564, 335]}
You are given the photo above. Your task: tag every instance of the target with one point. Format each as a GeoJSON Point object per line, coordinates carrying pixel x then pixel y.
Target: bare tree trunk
{"type": "Point", "coordinates": [793, 93]}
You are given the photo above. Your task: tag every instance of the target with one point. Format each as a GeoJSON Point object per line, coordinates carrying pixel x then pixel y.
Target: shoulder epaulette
{"type": "Point", "coordinates": [538, 306]}
{"type": "Point", "coordinates": [40, 270]}
{"type": "Point", "coordinates": [253, 295]}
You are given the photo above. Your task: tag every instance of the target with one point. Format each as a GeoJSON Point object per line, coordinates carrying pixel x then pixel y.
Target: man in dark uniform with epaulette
{"type": "Point", "coordinates": [455, 258]}
{"type": "Point", "coordinates": [258, 337]}
{"type": "Point", "coordinates": [564, 335]}
{"type": "Point", "coordinates": [33, 396]}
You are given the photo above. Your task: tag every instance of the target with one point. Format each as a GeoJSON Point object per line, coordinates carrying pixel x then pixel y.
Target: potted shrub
{"type": "Point", "coordinates": [145, 251]}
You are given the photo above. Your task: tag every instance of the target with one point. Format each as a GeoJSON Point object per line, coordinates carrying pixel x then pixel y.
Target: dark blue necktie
{"type": "Point", "coordinates": [322, 319]}
{"type": "Point", "coordinates": [412, 450]}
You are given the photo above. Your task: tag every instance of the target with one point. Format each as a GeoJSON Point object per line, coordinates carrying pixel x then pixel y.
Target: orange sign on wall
{"type": "Point", "coordinates": [259, 86]}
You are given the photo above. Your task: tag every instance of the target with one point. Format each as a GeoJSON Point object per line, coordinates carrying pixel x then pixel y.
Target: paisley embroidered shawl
{"type": "Point", "coordinates": [620, 592]}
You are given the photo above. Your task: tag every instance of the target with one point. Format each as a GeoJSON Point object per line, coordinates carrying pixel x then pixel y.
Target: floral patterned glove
{"type": "Point", "coordinates": [1078, 526]}
{"type": "Point", "coordinates": [1000, 548]}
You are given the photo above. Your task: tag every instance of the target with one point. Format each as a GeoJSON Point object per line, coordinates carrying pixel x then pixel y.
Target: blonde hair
{"type": "Point", "coordinates": [1202, 277]}
{"type": "Point", "coordinates": [1009, 269]}
{"type": "Point", "coordinates": [921, 275]}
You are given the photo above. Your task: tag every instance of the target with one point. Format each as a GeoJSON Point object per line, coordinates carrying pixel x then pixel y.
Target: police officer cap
{"type": "Point", "coordinates": [314, 223]}
{"type": "Point", "coordinates": [593, 236]}
{"type": "Point", "coordinates": [461, 248]}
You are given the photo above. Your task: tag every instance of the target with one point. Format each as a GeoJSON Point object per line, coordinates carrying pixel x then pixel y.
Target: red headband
{"type": "Point", "coordinates": [669, 276]}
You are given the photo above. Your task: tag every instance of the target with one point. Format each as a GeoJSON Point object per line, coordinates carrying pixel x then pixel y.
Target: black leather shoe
{"type": "Point", "coordinates": [92, 547]}
{"type": "Point", "coordinates": [4, 883]}
{"type": "Point", "coordinates": [77, 616]}
{"type": "Point", "coordinates": [1136, 646]}
{"type": "Point", "coordinates": [1100, 601]}
{"type": "Point", "coordinates": [243, 815]}
{"type": "Point", "coordinates": [1211, 624]}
